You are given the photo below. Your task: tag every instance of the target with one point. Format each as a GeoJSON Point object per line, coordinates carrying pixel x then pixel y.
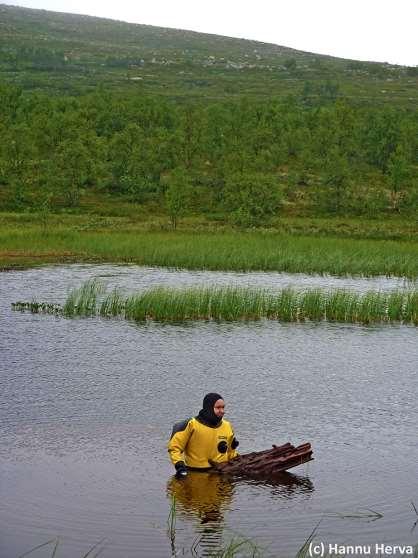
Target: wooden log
{"type": "Point", "coordinates": [267, 462]}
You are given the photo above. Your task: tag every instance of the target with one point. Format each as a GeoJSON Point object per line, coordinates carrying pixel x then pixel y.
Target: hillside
{"type": "Point", "coordinates": [64, 53]}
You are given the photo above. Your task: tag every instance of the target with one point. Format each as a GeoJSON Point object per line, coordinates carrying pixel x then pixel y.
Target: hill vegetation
{"type": "Point", "coordinates": [68, 53]}
{"type": "Point", "coordinates": [187, 123]}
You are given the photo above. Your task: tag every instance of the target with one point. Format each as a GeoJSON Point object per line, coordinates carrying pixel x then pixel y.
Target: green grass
{"type": "Point", "coordinates": [25, 243]}
{"type": "Point", "coordinates": [237, 304]}
{"type": "Point", "coordinates": [84, 301]}
{"type": "Point", "coordinates": [100, 213]}
{"type": "Point", "coordinates": [171, 520]}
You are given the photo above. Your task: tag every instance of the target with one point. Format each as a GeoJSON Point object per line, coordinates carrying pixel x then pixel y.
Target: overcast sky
{"type": "Point", "coordinates": [380, 30]}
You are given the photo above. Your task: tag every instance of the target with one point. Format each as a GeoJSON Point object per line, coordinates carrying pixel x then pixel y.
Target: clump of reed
{"type": "Point", "coordinates": [84, 301]}
{"type": "Point", "coordinates": [240, 304]}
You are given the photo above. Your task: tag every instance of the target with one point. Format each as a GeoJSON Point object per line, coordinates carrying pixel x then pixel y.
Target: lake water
{"type": "Point", "coordinates": [87, 405]}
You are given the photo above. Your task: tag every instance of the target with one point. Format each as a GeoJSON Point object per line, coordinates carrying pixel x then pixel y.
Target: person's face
{"type": "Point", "coordinates": [219, 408]}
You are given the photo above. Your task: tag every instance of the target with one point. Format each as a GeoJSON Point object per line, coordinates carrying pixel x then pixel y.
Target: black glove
{"type": "Point", "coordinates": [181, 469]}
{"type": "Point", "coordinates": [234, 443]}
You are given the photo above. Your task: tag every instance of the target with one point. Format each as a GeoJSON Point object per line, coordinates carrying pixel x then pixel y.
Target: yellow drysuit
{"type": "Point", "coordinates": [199, 445]}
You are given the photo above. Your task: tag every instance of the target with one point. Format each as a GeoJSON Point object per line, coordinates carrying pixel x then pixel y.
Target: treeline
{"type": "Point", "coordinates": [246, 159]}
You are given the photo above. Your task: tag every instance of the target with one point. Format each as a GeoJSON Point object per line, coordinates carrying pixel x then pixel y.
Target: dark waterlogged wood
{"type": "Point", "coordinates": [267, 462]}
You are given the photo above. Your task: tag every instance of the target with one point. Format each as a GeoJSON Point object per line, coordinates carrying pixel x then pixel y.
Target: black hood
{"type": "Point", "coordinates": [207, 415]}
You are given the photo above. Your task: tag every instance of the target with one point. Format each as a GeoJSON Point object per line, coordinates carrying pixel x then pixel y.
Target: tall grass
{"type": "Point", "coordinates": [269, 251]}
{"type": "Point", "coordinates": [84, 301]}
{"type": "Point", "coordinates": [238, 304]}
{"type": "Point", "coordinates": [171, 521]}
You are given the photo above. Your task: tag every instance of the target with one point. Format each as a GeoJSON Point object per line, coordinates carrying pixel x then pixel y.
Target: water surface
{"type": "Point", "coordinates": [86, 407]}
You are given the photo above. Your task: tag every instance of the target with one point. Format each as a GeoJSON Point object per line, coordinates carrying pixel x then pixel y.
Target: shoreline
{"type": "Point", "coordinates": [26, 243]}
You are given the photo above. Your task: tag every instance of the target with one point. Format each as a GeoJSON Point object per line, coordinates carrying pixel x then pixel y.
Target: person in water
{"type": "Point", "coordinates": [200, 442]}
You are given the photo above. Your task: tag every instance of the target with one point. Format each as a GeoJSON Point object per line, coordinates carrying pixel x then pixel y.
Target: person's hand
{"type": "Point", "coordinates": [181, 470]}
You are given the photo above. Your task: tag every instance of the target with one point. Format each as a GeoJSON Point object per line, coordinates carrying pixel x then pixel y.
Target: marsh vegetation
{"type": "Point", "coordinates": [236, 304]}
{"type": "Point", "coordinates": [228, 250]}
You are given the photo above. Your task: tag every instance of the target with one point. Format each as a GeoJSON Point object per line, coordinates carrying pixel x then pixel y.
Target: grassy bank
{"type": "Point", "coordinates": [215, 251]}
{"type": "Point", "coordinates": [236, 304]}
{"type": "Point", "coordinates": [26, 241]}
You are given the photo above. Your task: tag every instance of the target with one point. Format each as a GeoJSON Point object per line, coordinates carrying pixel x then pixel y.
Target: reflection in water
{"type": "Point", "coordinates": [207, 496]}
{"type": "Point", "coordinates": [282, 485]}
{"type": "Point", "coordinates": [202, 494]}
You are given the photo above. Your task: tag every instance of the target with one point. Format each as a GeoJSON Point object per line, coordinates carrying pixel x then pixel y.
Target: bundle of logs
{"type": "Point", "coordinates": [267, 462]}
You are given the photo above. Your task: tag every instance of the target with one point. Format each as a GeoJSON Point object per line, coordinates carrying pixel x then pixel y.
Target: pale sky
{"type": "Point", "coordinates": [379, 30]}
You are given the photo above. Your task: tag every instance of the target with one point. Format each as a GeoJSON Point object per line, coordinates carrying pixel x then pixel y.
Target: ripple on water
{"type": "Point", "coordinates": [86, 407]}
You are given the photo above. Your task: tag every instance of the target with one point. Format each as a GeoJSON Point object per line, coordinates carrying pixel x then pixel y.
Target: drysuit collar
{"type": "Point", "coordinates": [207, 415]}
